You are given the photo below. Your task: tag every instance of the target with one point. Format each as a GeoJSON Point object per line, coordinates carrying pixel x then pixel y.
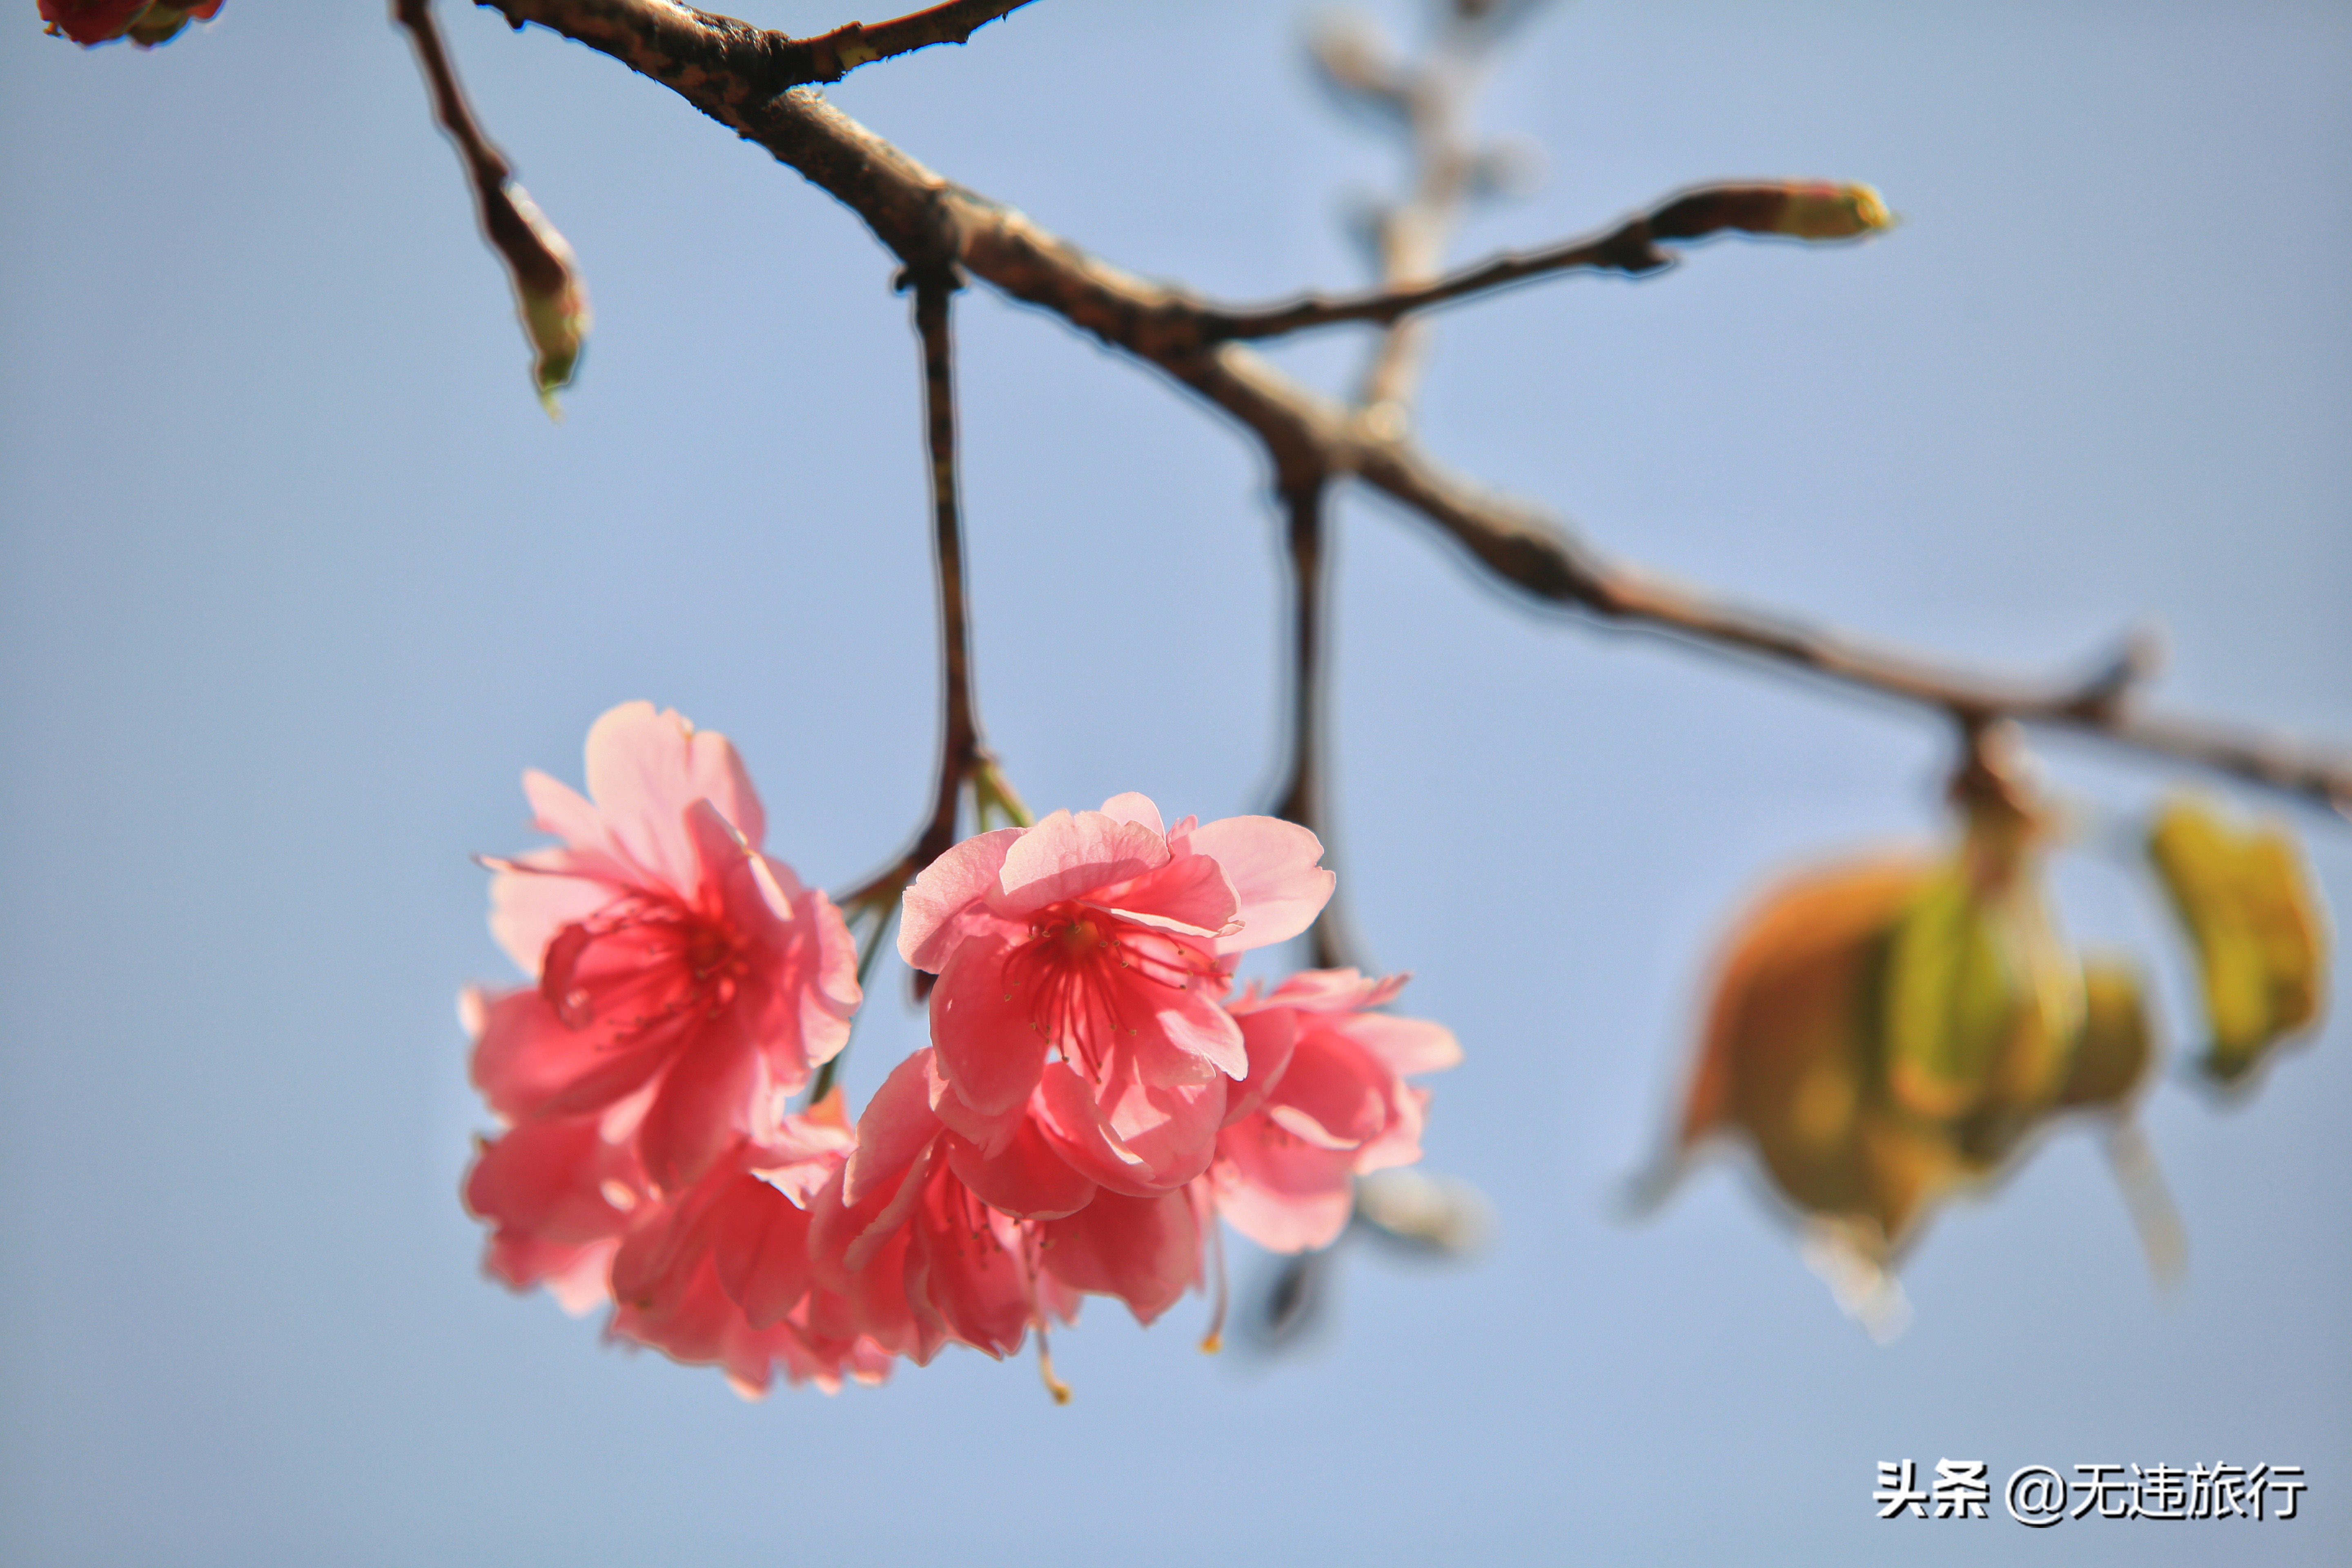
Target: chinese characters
{"type": "Point", "coordinates": [2039, 1496]}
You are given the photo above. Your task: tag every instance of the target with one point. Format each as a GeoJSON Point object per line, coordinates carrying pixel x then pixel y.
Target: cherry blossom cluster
{"type": "Point", "coordinates": [1096, 1094]}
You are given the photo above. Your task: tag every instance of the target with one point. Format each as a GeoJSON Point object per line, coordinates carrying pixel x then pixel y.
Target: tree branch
{"type": "Point", "coordinates": [918, 214]}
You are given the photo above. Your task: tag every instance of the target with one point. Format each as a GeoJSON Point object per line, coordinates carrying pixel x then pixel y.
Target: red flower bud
{"type": "Point", "coordinates": [146, 23]}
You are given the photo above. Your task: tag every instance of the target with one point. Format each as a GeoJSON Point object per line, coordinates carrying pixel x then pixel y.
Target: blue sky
{"type": "Point", "coordinates": [296, 579]}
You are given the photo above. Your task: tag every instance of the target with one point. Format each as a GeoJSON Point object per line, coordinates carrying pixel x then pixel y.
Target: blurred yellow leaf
{"type": "Point", "coordinates": [1791, 1038]}
{"type": "Point", "coordinates": [2255, 921]}
{"type": "Point", "coordinates": [2112, 1053]}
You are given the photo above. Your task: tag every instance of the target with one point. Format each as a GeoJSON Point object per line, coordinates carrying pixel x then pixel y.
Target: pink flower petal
{"type": "Point", "coordinates": [1326, 991]}
{"type": "Point", "coordinates": [1399, 1142]}
{"type": "Point", "coordinates": [621, 1088]}
{"type": "Point", "coordinates": [1146, 1138]}
{"type": "Point", "coordinates": [871, 1300]}
{"type": "Point", "coordinates": [1145, 1251]}
{"type": "Point", "coordinates": [1191, 896]}
{"type": "Point", "coordinates": [1137, 808]}
{"type": "Point", "coordinates": [526, 1060]}
{"type": "Point", "coordinates": [656, 1268]}
{"type": "Point", "coordinates": [1027, 1181]}
{"type": "Point", "coordinates": [989, 1134]}
{"type": "Point", "coordinates": [1284, 1195]}
{"type": "Point", "coordinates": [558, 809]}
{"type": "Point", "coordinates": [835, 974]}
{"type": "Point", "coordinates": [1173, 1127]}
{"type": "Point", "coordinates": [969, 1279]}
{"type": "Point", "coordinates": [759, 1243]}
{"type": "Point", "coordinates": [734, 882]}
{"type": "Point", "coordinates": [547, 1181]}
{"type": "Point", "coordinates": [533, 896]}
{"type": "Point", "coordinates": [989, 1050]}
{"type": "Point", "coordinates": [1081, 1134]}
{"type": "Point", "coordinates": [887, 1217]}
{"type": "Point", "coordinates": [1195, 1025]}
{"type": "Point", "coordinates": [646, 768]}
{"type": "Point", "coordinates": [1272, 866]}
{"type": "Point", "coordinates": [1067, 855]}
{"type": "Point", "coordinates": [949, 900]}
{"type": "Point", "coordinates": [895, 1128]}
{"type": "Point", "coordinates": [577, 1277]}
{"type": "Point", "coordinates": [1403, 1044]}
{"type": "Point", "coordinates": [1333, 1094]}
{"type": "Point", "coordinates": [1269, 1037]}
{"type": "Point", "coordinates": [702, 1107]}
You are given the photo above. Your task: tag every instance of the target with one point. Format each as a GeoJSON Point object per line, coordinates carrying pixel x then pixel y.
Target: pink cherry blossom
{"type": "Point", "coordinates": [685, 982]}
{"type": "Point", "coordinates": [1324, 1101]}
{"type": "Point", "coordinates": [983, 1246]}
{"type": "Point", "coordinates": [1082, 963]}
{"type": "Point", "coordinates": [718, 1274]}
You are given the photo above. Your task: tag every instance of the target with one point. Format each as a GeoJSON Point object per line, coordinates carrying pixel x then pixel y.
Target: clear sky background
{"type": "Point", "coordinates": [296, 579]}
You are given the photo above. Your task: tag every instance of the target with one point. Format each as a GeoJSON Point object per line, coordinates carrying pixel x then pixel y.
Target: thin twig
{"type": "Point", "coordinates": [836, 54]}
{"type": "Point", "coordinates": [1631, 247]}
{"type": "Point", "coordinates": [960, 744]}
{"type": "Point", "coordinates": [483, 160]}
{"type": "Point", "coordinates": [1699, 213]}
{"type": "Point", "coordinates": [535, 264]}
{"type": "Point", "coordinates": [1306, 798]}
{"type": "Point", "coordinates": [914, 211]}
{"type": "Point", "coordinates": [1301, 800]}
{"type": "Point", "coordinates": [961, 752]}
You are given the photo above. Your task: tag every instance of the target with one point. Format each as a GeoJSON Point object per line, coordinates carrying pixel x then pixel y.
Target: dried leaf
{"type": "Point", "coordinates": [1887, 1031]}
{"type": "Point", "coordinates": [1791, 1059]}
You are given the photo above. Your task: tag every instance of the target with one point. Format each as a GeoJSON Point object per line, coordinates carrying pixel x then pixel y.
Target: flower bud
{"type": "Point", "coordinates": [1817, 210]}
{"type": "Point", "coordinates": [1799, 209]}
{"type": "Point", "coordinates": [2257, 927]}
{"type": "Point", "coordinates": [549, 295]}
{"type": "Point", "coordinates": [146, 23]}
